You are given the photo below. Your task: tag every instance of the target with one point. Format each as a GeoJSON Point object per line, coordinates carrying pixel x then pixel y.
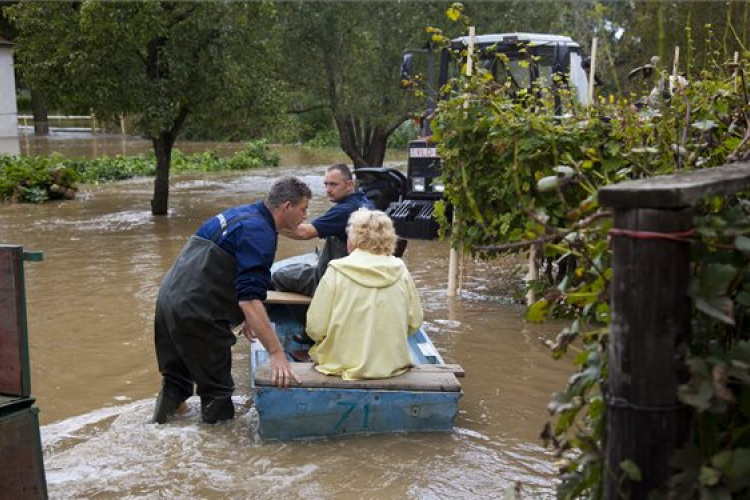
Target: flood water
{"type": "Point", "coordinates": [94, 374]}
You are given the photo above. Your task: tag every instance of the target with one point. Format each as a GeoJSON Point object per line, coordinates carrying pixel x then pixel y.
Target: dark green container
{"type": "Point", "coordinates": [21, 463]}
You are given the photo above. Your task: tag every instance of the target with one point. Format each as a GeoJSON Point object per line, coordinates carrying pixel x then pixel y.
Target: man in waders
{"type": "Point", "coordinates": [219, 280]}
{"type": "Point", "coordinates": [340, 189]}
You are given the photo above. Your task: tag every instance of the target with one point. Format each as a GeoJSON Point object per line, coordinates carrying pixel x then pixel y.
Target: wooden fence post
{"type": "Point", "coordinates": [456, 255]}
{"type": "Point", "coordinates": [649, 331]}
{"type": "Point", "coordinates": [592, 71]}
{"type": "Point", "coordinates": [650, 326]}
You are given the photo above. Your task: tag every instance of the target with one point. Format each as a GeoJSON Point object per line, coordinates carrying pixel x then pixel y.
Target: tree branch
{"type": "Point", "coordinates": [299, 111]}
{"type": "Point", "coordinates": [546, 238]}
{"type": "Point", "coordinates": [178, 123]}
{"type": "Point", "coordinates": [391, 129]}
{"type": "Point", "coordinates": [178, 18]}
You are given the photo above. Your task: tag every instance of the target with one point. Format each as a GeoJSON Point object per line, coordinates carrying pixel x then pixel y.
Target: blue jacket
{"type": "Point", "coordinates": [333, 222]}
{"type": "Point", "coordinates": [250, 237]}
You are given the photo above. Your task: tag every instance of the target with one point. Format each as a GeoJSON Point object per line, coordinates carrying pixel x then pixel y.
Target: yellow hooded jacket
{"type": "Point", "coordinates": [360, 316]}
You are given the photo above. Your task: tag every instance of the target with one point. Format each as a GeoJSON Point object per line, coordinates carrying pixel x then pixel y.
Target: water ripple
{"type": "Point", "coordinates": [118, 221]}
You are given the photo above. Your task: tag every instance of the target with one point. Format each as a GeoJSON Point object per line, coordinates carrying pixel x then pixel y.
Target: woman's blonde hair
{"type": "Point", "coordinates": [372, 231]}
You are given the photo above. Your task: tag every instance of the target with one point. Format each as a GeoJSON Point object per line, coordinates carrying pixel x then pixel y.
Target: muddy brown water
{"type": "Point", "coordinates": [90, 307]}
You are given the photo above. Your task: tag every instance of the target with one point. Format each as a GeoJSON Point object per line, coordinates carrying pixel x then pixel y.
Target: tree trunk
{"type": "Point", "coordinates": [365, 145]}
{"type": "Point", "coordinates": [39, 110]}
{"type": "Point", "coordinates": [163, 149]}
{"type": "Point", "coordinates": [376, 150]}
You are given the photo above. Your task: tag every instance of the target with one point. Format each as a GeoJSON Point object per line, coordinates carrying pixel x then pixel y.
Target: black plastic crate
{"type": "Point", "coordinates": [414, 219]}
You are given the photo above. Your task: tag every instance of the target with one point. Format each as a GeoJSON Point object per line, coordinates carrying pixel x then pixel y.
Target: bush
{"type": "Point", "coordinates": [107, 169]}
{"type": "Point", "coordinates": [256, 154]}
{"type": "Point", "coordinates": [328, 138]}
{"type": "Point", "coordinates": [36, 179]}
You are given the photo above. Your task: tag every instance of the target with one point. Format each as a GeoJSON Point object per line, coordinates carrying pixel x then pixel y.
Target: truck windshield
{"type": "Point", "coordinates": [520, 69]}
{"type": "Point", "coordinates": [515, 71]}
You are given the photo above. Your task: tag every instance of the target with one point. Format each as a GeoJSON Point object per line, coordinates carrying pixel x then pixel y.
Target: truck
{"type": "Point", "coordinates": [409, 199]}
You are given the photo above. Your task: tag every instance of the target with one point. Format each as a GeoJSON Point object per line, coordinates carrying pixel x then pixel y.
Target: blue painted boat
{"type": "Point", "coordinates": [424, 399]}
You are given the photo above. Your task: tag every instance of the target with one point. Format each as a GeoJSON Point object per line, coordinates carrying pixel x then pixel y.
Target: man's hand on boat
{"type": "Point", "coordinates": [257, 325]}
{"type": "Point", "coordinates": [282, 373]}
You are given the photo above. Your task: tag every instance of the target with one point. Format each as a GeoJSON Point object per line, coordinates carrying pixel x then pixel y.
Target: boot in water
{"type": "Point", "coordinates": [165, 407]}
{"type": "Point", "coordinates": [215, 410]}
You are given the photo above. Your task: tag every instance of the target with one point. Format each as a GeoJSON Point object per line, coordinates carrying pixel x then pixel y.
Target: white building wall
{"type": "Point", "coordinates": [8, 110]}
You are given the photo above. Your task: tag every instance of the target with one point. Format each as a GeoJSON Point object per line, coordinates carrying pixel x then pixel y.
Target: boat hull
{"type": "Point", "coordinates": [301, 413]}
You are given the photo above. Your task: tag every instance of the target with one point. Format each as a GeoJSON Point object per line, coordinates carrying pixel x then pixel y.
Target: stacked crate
{"type": "Point", "coordinates": [21, 465]}
{"type": "Point", "coordinates": [414, 219]}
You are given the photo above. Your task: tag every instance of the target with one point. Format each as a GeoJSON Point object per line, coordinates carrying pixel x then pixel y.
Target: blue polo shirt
{"type": "Point", "coordinates": [333, 222]}
{"type": "Point", "coordinates": [250, 237]}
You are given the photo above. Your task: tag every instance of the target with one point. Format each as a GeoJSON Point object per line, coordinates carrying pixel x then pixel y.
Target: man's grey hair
{"type": "Point", "coordinates": [345, 171]}
{"type": "Point", "coordinates": [287, 189]}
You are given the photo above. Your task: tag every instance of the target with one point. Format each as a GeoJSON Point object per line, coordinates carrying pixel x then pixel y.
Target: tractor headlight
{"type": "Point", "coordinates": [438, 187]}
{"type": "Point", "coordinates": [418, 184]}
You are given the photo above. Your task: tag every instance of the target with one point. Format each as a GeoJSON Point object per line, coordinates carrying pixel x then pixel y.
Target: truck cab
{"type": "Point", "coordinates": [527, 60]}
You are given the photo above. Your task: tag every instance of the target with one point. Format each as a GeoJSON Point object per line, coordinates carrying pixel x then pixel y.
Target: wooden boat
{"type": "Point", "coordinates": [424, 399]}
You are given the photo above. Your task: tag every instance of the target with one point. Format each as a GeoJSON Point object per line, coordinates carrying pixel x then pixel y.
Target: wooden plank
{"type": "Point", "coordinates": [413, 380]}
{"type": "Point", "coordinates": [683, 189]}
{"type": "Point", "coordinates": [456, 370]}
{"type": "Point", "coordinates": [274, 297]}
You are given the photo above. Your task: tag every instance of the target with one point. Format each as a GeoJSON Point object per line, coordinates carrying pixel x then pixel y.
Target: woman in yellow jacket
{"type": "Point", "coordinates": [365, 305]}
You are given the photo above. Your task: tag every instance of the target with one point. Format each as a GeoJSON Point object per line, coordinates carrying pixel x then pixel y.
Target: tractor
{"type": "Point", "coordinates": [530, 58]}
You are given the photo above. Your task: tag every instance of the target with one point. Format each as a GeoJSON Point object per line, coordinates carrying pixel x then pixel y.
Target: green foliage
{"type": "Point", "coordinates": [23, 103]}
{"type": "Point", "coordinates": [403, 135]}
{"type": "Point", "coordinates": [256, 154]}
{"type": "Point", "coordinates": [311, 119]}
{"type": "Point", "coordinates": [347, 60]}
{"type": "Point", "coordinates": [163, 63]}
{"type": "Point", "coordinates": [715, 462]}
{"type": "Point", "coordinates": [519, 172]}
{"type": "Point", "coordinates": [148, 59]}
{"type": "Point", "coordinates": [108, 169]}
{"type": "Point", "coordinates": [327, 138]}
{"type": "Point", "coordinates": [37, 179]}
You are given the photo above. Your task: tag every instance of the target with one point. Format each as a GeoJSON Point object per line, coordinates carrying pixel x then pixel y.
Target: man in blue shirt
{"type": "Point", "coordinates": [219, 280]}
{"type": "Point", "coordinates": [340, 189]}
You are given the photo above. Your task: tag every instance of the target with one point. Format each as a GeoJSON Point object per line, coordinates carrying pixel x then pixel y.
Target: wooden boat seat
{"type": "Point", "coordinates": [289, 298]}
{"type": "Point", "coordinates": [426, 378]}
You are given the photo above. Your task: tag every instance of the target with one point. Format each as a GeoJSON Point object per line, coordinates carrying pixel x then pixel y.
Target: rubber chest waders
{"type": "Point", "coordinates": [195, 310]}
